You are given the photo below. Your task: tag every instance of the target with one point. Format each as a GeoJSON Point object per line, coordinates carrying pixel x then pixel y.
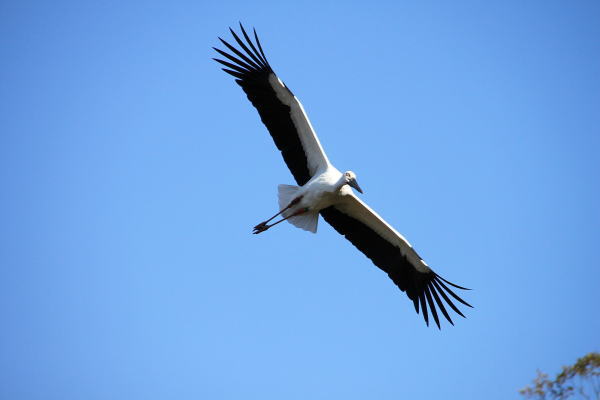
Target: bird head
{"type": "Point", "coordinates": [350, 178]}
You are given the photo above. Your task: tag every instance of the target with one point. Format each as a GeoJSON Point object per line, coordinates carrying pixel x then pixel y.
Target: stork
{"type": "Point", "coordinates": [324, 190]}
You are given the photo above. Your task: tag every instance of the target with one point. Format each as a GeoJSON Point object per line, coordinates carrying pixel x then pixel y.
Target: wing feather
{"type": "Point", "coordinates": [280, 111]}
{"type": "Point", "coordinates": [392, 253]}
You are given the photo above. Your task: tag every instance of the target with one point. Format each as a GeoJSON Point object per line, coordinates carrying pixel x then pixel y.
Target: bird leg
{"type": "Point", "coordinates": [263, 225]}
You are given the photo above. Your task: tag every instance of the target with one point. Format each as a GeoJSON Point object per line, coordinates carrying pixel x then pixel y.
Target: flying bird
{"type": "Point", "coordinates": [323, 189]}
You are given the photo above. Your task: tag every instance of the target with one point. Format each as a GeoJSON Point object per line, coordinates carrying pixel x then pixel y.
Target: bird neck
{"type": "Point", "coordinates": [340, 183]}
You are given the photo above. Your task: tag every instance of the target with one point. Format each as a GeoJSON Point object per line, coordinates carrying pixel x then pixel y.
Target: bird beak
{"type": "Point", "coordinates": [354, 184]}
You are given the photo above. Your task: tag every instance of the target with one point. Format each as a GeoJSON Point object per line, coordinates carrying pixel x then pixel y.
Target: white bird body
{"type": "Point", "coordinates": [324, 190]}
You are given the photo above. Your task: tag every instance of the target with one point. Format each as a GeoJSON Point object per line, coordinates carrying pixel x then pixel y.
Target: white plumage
{"type": "Point", "coordinates": [324, 190]}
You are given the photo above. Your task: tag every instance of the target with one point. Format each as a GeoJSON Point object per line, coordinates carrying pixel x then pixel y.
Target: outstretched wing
{"type": "Point", "coordinates": [279, 109]}
{"type": "Point", "coordinates": [391, 252]}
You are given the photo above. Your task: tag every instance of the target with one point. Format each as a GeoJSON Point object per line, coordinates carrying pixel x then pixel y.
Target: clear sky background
{"type": "Point", "coordinates": [133, 170]}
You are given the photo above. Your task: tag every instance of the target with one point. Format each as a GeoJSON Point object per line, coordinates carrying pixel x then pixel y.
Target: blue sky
{"type": "Point", "coordinates": [133, 170]}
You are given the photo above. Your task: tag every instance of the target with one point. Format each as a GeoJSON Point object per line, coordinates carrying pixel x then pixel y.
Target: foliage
{"type": "Point", "coordinates": [582, 378]}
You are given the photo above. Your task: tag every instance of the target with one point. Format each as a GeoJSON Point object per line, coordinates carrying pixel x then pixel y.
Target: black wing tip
{"type": "Point", "coordinates": [222, 41]}
{"type": "Point", "coordinates": [450, 283]}
{"type": "Point", "coordinates": [432, 306]}
{"type": "Point", "coordinates": [242, 28]}
{"type": "Point", "coordinates": [430, 296]}
{"type": "Point", "coordinates": [248, 55]}
{"type": "Point", "coordinates": [441, 281]}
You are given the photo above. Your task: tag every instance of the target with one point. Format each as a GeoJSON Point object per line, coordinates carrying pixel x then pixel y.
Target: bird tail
{"type": "Point", "coordinates": [307, 221]}
{"type": "Point", "coordinates": [286, 194]}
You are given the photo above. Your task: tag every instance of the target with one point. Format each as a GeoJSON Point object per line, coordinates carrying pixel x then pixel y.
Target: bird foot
{"type": "Point", "coordinates": [260, 228]}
